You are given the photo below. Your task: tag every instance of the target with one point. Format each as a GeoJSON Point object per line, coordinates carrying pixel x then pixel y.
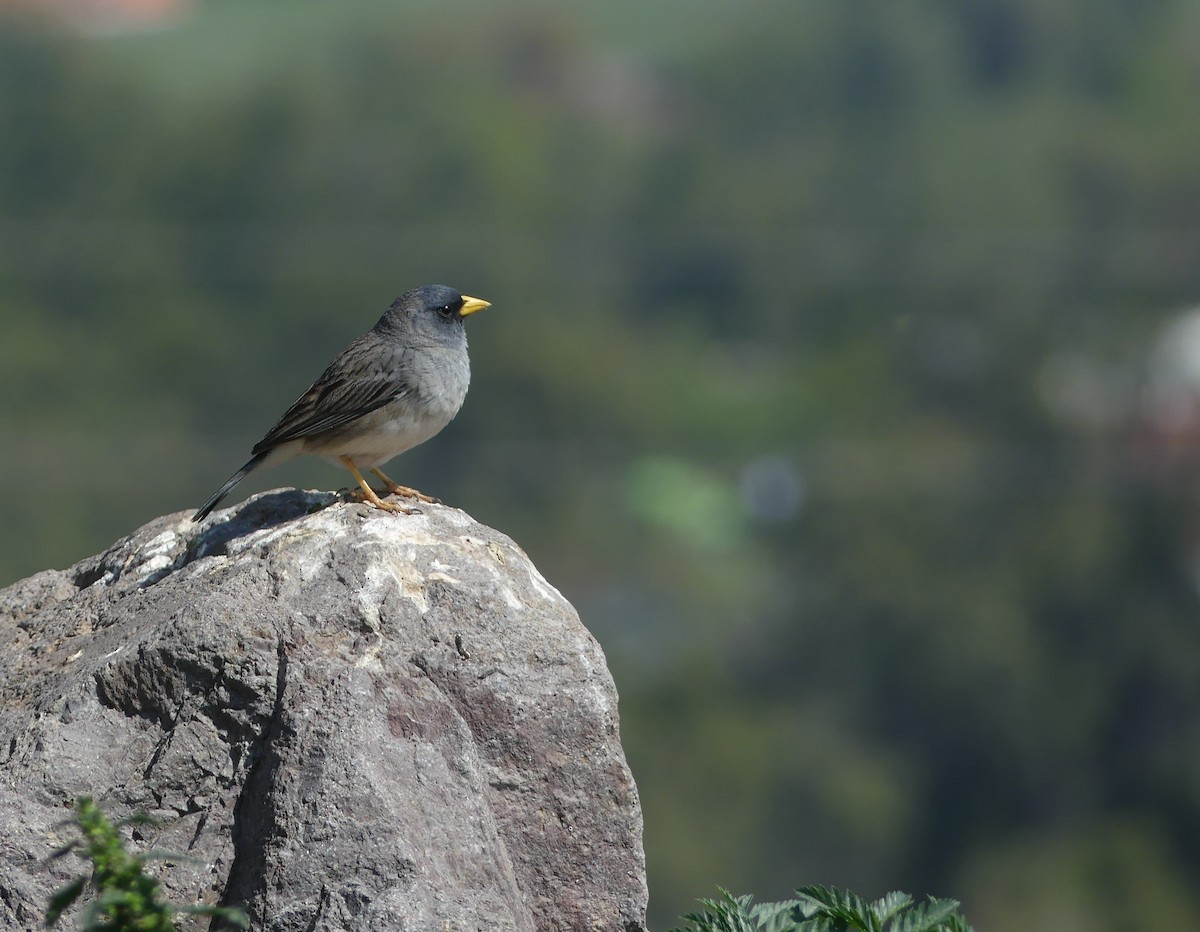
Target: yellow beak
{"type": "Point", "coordinates": [471, 305]}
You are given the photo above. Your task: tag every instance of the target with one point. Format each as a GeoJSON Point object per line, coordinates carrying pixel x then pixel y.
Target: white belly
{"type": "Point", "coordinates": [375, 438]}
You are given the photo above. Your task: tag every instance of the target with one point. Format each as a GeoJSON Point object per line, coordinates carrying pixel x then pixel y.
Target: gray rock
{"type": "Point", "coordinates": [347, 719]}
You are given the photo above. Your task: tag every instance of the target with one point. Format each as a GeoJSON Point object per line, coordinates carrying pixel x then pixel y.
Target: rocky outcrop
{"type": "Point", "coordinates": [348, 719]}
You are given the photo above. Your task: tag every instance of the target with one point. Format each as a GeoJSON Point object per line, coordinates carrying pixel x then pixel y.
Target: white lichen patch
{"type": "Point", "coordinates": [384, 575]}
{"type": "Point", "coordinates": [412, 530]}
{"type": "Point", "coordinates": [539, 584]}
{"type": "Point", "coordinates": [378, 581]}
{"type": "Point", "coordinates": [510, 597]}
{"type": "Point", "coordinates": [158, 554]}
{"type": "Point", "coordinates": [154, 565]}
{"type": "Point", "coordinates": [160, 542]}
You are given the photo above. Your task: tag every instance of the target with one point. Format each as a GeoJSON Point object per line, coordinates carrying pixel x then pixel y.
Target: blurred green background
{"type": "Point", "coordinates": [840, 371]}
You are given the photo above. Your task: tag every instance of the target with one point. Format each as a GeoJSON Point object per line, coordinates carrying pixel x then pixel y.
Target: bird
{"type": "Point", "coordinates": [391, 389]}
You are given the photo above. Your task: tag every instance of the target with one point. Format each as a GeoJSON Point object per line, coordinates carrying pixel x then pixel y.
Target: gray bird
{"type": "Point", "coordinates": [391, 389]}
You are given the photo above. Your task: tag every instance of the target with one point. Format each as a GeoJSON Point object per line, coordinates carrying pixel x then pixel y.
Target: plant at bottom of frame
{"type": "Point", "coordinates": [126, 897]}
{"type": "Point", "coordinates": [825, 909]}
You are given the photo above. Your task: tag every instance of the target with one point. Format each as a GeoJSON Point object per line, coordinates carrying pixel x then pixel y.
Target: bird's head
{"type": "Point", "coordinates": [431, 309]}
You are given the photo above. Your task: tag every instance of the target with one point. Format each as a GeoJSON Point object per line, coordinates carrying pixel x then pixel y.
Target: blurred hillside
{"type": "Point", "coordinates": [835, 372]}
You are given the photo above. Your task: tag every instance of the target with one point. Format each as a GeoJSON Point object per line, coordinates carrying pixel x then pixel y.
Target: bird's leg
{"type": "Point", "coordinates": [369, 493]}
{"type": "Point", "coordinates": [404, 490]}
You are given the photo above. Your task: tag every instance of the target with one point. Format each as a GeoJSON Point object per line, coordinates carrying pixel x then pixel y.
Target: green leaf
{"type": "Point", "coordinates": [927, 917]}
{"type": "Point", "coordinates": [814, 898]}
{"type": "Point", "coordinates": [728, 914]}
{"type": "Point", "coordinates": [826, 909]}
{"type": "Point", "coordinates": [62, 899]}
{"type": "Point", "coordinates": [136, 818]}
{"type": "Point", "coordinates": [819, 924]}
{"type": "Point", "coordinates": [776, 917]}
{"type": "Point", "coordinates": [890, 904]}
{"type": "Point", "coordinates": [840, 905]}
{"type": "Point", "coordinates": [61, 852]}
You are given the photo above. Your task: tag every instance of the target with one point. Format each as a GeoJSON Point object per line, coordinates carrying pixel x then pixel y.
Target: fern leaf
{"type": "Point", "coordinates": [818, 908]}
{"type": "Point", "coordinates": [819, 924]}
{"type": "Point", "coordinates": [957, 923]}
{"type": "Point", "coordinates": [728, 914]}
{"type": "Point", "coordinates": [842, 906]}
{"type": "Point", "coordinates": [889, 905]}
{"type": "Point", "coordinates": [776, 917]}
{"type": "Point", "coordinates": [815, 897]}
{"type": "Point", "coordinates": [928, 917]}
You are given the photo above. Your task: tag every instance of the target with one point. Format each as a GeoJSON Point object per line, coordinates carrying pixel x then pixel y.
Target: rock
{"type": "Point", "coordinates": [347, 719]}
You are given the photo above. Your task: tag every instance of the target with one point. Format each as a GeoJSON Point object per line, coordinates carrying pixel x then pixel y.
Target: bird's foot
{"type": "Point", "coordinates": [373, 498]}
{"type": "Point", "coordinates": [404, 491]}
{"type": "Point", "coordinates": [396, 508]}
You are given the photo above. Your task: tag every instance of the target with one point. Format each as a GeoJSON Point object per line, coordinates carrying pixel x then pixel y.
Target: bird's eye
{"type": "Point", "coordinates": [447, 310]}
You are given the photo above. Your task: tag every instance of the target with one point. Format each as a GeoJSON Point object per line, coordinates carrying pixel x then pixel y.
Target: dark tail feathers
{"type": "Point", "coordinates": [224, 490]}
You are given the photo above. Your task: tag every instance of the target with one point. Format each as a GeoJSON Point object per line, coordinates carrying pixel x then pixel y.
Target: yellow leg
{"type": "Point", "coordinates": [368, 493]}
{"type": "Point", "coordinates": [404, 490]}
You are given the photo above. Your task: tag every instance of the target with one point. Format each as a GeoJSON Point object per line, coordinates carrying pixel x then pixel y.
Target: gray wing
{"type": "Point", "coordinates": [365, 376]}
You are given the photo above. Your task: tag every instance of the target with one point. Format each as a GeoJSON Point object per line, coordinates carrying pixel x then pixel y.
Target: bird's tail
{"type": "Point", "coordinates": [233, 480]}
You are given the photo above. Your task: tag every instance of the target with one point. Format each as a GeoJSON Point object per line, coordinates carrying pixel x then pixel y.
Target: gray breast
{"type": "Point", "coordinates": [435, 380]}
{"type": "Point", "coordinates": [439, 377]}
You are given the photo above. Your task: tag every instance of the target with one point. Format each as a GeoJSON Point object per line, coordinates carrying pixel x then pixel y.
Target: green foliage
{"type": "Point", "coordinates": [825, 909]}
{"type": "Point", "coordinates": [126, 898]}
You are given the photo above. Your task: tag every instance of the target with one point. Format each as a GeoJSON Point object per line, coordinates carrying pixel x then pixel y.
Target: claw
{"type": "Point", "coordinates": [365, 493]}
{"type": "Point", "coordinates": [404, 491]}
